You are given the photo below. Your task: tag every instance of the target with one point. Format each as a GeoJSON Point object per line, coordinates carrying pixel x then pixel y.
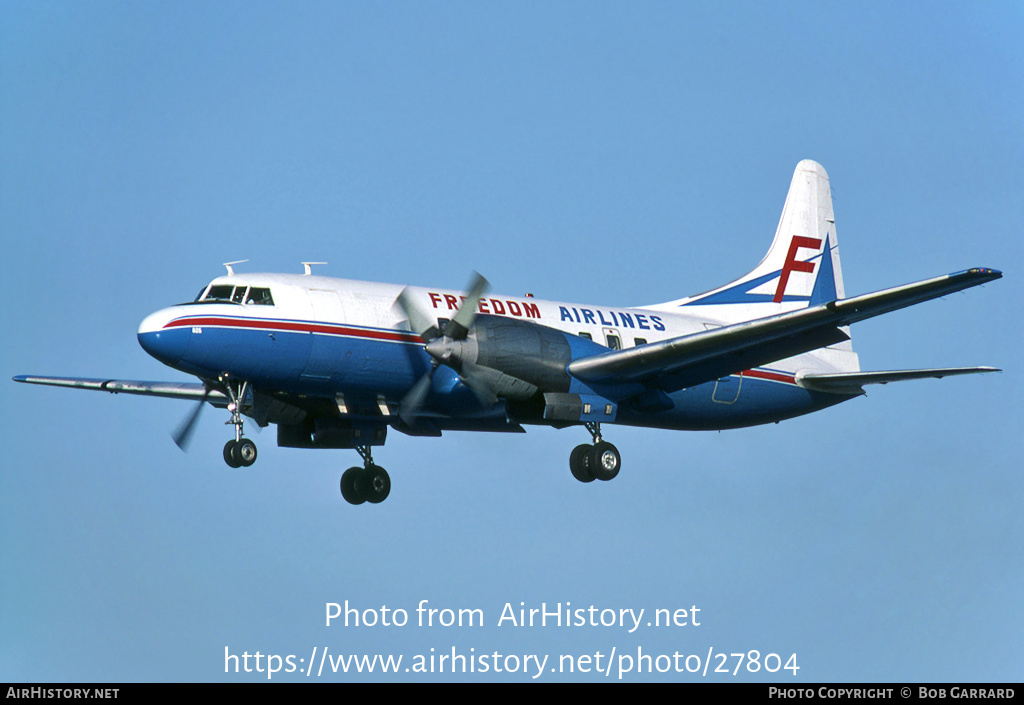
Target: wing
{"type": "Point", "coordinates": [853, 382]}
{"type": "Point", "coordinates": [701, 357]}
{"type": "Point", "coordinates": [172, 390]}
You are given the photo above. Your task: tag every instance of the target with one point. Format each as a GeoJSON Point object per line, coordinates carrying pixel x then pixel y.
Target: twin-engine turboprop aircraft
{"type": "Point", "coordinates": [336, 363]}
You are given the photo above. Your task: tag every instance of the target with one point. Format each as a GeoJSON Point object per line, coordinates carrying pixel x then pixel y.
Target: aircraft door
{"type": "Point", "coordinates": [326, 305]}
{"type": "Point", "coordinates": [727, 389]}
{"type": "Point", "coordinates": [326, 350]}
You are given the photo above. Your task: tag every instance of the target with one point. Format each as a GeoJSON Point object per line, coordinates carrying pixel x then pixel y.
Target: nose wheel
{"type": "Point", "coordinates": [239, 452]}
{"type": "Point", "coordinates": [600, 461]}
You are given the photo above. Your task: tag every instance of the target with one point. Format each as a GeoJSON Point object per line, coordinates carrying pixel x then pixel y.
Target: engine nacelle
{"type": "Point", "coordinates": [517, 358]}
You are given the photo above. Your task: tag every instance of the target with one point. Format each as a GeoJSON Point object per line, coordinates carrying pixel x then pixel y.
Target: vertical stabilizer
{"type": "Point", "coordinates": [802, 265]}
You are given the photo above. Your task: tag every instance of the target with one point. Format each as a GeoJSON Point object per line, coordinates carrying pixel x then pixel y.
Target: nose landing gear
{"type": "Point", "coordinates": [239, 452]}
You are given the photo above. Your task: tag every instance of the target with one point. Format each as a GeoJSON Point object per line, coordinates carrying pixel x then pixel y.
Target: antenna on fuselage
{"type": "Point", "coordinates": [309, 267]}
{"type": "Point", "coordinates": [229, 265]}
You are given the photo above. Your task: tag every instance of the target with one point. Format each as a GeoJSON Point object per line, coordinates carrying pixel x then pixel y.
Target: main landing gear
{"type": "Point", "coordinates": [370, 483]}
{"type": "Point", "coordinates": [239, 452]}
{"type": "Point", "coordinates": [600, 461]}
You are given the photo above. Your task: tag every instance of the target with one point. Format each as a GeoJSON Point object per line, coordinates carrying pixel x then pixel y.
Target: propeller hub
{"type": "Point", "coordinates": [445, 350]}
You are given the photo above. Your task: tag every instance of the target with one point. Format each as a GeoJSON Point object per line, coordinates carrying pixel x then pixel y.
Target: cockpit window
{"type": "Point", "coordinates": [220, 292]}
{"type": "Point", "coordinates": [259, 296]}
{"type": "Point", "coordinates": [224, 293]}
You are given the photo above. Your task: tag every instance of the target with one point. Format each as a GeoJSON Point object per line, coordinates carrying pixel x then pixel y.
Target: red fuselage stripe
{"type": "Point", "coordinates": [773, 376]}
{"type": "Point", "coordinates": [395, 336]}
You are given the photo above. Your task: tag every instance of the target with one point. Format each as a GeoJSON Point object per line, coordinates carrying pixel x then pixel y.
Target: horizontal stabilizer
{"type": "Point", "coordinates": [170, 390]}
{"type": "Point", "coordinates": [853, 382]}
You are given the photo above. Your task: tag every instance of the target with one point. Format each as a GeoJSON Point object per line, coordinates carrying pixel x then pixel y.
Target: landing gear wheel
{"type": "Point", "coordinates": [240, 452]}
{"type": "Point", "coordinates": [604, 461]}
{"type": "Point", "coordinates": [370, 484]}
{"type": "Point", "coordinates": [348, 486]}
{"type": "Point", "coordinates": [374, 484]}
{"type": "Point", "coordinates": [578, 463]}
{"type": "Point", "coordinates": [229, 455]}
{"type": "Point", "coordinates": [244, 452]}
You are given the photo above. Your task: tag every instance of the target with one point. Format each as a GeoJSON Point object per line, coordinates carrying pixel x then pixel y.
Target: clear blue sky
{"type": "Point", "coordinates": [610, 153]}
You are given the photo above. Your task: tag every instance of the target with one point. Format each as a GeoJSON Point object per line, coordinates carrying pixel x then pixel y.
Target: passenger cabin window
{"type": "Point", "coordinates": [584, 334]}
{"type": "Point", "coordinates": [639, 341]}
{"type": "Point", "coordinates": [613, 342]}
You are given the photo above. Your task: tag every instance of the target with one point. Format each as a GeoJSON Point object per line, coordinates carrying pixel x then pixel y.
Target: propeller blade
{"type": "Point", "coordinates": [183, 433]}
{"type": "Point", "coordinates": [422, 324]}
{"type": "Point", "coordinates": [413, 401]}
{"type": "Point", "coordinates": [458, 329]}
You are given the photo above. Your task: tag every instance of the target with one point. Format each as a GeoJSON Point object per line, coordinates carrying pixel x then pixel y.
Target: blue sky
{"type": "Point", "coordinates": [609, 153]}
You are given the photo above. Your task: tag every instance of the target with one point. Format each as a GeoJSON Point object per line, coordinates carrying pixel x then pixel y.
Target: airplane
{"type": "Point", "coordinates": [336, 363]}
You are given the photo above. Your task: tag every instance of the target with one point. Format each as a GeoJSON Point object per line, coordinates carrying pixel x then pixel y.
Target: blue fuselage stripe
{"type": "Point", "coordinates": [322, 360]}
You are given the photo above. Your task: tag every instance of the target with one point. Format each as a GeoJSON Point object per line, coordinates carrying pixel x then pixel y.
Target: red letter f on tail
{"type": "Point", "coordinates": [793, 265]}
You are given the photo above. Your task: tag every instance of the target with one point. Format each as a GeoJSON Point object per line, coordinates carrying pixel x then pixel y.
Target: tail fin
{"type": "Point", "coordinates": [802, 265]}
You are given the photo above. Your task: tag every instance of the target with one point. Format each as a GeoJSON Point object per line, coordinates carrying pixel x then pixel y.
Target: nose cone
{"type": "Point", "coordinates": [166, 343]}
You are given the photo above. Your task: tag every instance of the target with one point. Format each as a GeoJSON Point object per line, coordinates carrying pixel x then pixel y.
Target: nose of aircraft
{"type": "Point", "coordinates": [165, 344]}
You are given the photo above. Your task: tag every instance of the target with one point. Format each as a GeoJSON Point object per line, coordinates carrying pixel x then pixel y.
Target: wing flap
{"type": "Point", "coordinates": [171, 390]}
{"type": "Point", "coordinates": [712, 354]}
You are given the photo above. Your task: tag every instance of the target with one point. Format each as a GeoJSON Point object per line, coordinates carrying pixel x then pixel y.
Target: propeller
{"type": "Point", "coordinates": [445, 347]}
{"type": "Point", "coordinates": [182, 435]}
{"type": "Point", "coordinates": [458, 328]}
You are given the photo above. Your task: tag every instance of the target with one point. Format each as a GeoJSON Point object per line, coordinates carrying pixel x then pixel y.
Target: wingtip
{"type": "Point", "coordinates": [984, 272]}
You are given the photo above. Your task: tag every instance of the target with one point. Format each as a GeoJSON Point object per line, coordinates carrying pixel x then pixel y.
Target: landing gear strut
{"type": "Point", "coordinates": [239, 452]}
{"type": "Point", "coordinates": [370, 483]}
{"type": "Point", "coordinates": [600, 461]}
